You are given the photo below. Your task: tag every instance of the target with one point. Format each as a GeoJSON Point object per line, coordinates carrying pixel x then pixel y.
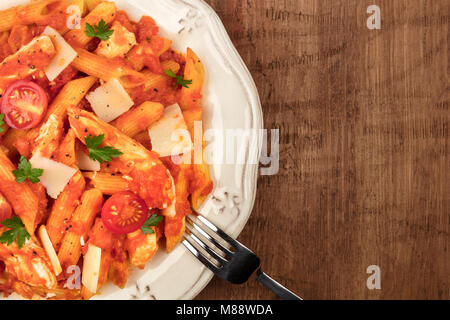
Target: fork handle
{"type": "Point", "coordinates": [275, 287]}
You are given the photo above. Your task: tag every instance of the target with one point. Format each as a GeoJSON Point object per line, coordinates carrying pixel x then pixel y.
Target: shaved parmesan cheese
{"type": "Point", "coordinates": [170, 136]}
{"type": "Point", "coordinates": [118, 44]}
{"type": "Point", "coordinates": [48, 246]}
{"type": "Point", "coordinates": [91, 268]}
{"type": "Point", "coordinates": [65, 54]}
{"type": "Point", "coordinates": [110, 100]}
{"type": "Point", "coordinates": [55, 176]}
{"type": "Point", "coordinates": [86, 163]}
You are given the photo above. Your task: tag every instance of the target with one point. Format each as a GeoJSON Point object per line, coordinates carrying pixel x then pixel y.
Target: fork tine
{"type": "Point", "coordinates": [200, 256]}
{"type": "Point", "coordinates": [210, 238]}
{"type": "Point", "coordinates": [214, 254]}
{"type": "Point", "coordinates": [217, 230]}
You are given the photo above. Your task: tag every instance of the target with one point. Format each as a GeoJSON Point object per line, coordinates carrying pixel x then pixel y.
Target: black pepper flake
{"type": "Point", "coordinates": [156, 90]}
{"type": "Point", "coordinates": [77, 117]}
{"type": "Point", "coordinates": [86, 130]}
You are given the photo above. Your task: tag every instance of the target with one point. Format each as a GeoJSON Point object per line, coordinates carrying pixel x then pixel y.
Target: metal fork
{"type": "Point", "coordinates": [226, 257]}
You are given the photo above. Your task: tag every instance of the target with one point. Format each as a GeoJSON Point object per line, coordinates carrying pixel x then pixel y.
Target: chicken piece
{"type": "Point", "coordinates": [141, 248]}
{"type": "Point", "coordinates": [118, 44]}
{"type": "Point", "coordinates": [29, 59]}
{"type": "Point", "coordinates": [30, 264]}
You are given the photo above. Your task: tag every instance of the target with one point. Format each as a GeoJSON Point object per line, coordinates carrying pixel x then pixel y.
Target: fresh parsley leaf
{"type": "Point", "coordinates": [101, 155]}
{"type": "Point", "coordinates": [153, 221]}
{"type": "Point", "coordinates": [100, 31]}
{"type": "Point", "coordinates": [25, 172]}
{"type": "Point", "coordinates": [180, 80]}
{"type": "Point", "coordinates": [2, 117]}
{"type": "Point", "coordinates": [16, 231]}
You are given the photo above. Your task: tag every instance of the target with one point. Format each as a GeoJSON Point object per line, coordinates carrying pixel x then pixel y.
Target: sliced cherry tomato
{"type": "Point", "coordinates": [124, 212]}
{"type": "Point", "coordinates": [5, 209]}
{"type": "Point", "coordinates": [24, 104]}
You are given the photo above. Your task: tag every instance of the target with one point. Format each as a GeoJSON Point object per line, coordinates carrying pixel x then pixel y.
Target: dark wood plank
{"type": "Point", "coordinates": [364, 119]}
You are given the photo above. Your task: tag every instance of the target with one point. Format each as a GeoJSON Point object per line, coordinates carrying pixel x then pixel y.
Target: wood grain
{"type": "Point", "coordinates": [364, 169]}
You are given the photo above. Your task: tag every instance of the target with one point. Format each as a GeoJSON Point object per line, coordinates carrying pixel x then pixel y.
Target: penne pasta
{"type": "Point", "coordinates": [106, 70]}
{"type": "Point", "coordinates": [100, 237]}
{"type": "Point", "coordinates": [107, 183]}
{"type": "Point", "coordinates": [91, 4]}
{"type": "Point", "coordinates": [81, 223]}
{"type": "Point", "coordinates": [192, 97]}
{"type": "Point", "coordinates": [175, 224]}
{"type": "Point", "coordinates": [201, 184]}
{"type": "Point", "coordinates": [66, 152]}
{"type": "Point", "coordinates": [21, 197]}
{"type": "Point", "coordinates": [63, 209]}
{"type": "Point", "coordinates": [37, 12]}
{"type": "Point", "coordinates": [119, 268]}
{"type": "Point", "coordinates": [153, 80]}
{"type": "Point", "coordinates": [15, 141]}
{"type": "Point", "coordinates": [104, 10]}
{"type": "Point", "coordinates": [70, 95]}
{"type": "Point", "coordinates": [47, 142]}
{"type": "Point", "coordinates": [28, 14]}
{"type": "Point", "coordinates": [8, 18]}
{"type": "Point", "coordinates": [139, 118]}
{"type": "Point", "coordinates": [66, 203]}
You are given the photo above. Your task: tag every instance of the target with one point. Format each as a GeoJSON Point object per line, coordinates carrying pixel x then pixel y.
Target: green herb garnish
{"type": "Point", "coordinates": [180, 80]}
{"type": "Point", "coordinates": [16, 231]}
{"type": "Point", "coordinates": [96, 153]}
{"type": "Point", "coordinates": [100, 31]}
{"type": "Point", "coordinates": [26, 172]}
{"type": "Point", "coordinates": [2, 117]}
{"type": "Point", "coordinates": [153, 221]}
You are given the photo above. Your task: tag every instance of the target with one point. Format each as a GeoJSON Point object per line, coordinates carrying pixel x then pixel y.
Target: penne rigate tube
{"type": "Point", "coordinates": [139, 118]}
{"type": "Point", "coordinates": [104, 10]}
{"type": "Point", "coordinates": [107, 183]}
{"type": "Point", "coordinates": [153, 80]}
{"type": "Point", "coordinates": [63, 209]}
{"type": "Point", "coordinates": [70, 95]}
{"type": "Point", "coordinates": [192, 97]}
{"type": "Point", "coordinates": [82, 220]}
{"type": "Point", "coordinates": [106, 70]}
{"type": "Point", "coordinates": [26, 14]}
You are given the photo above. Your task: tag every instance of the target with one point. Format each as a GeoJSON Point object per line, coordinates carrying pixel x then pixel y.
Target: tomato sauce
{"type": "Point", "coordinates": [146, 28]}
{"type": "Point", "coordinates": [56, 16]}
{"type": "Point", "coordinates": [125, 21]}
{"type": "Point", "coordinates": [151, 185]}
{"type": "Point", "coordinates": [99, 236]}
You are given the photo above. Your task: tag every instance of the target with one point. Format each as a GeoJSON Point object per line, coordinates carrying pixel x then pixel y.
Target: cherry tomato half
{"type": "Point", "coordinates": [24, 104]}
{"type": "Point", "coordinates": [5, 210]}
{"type": "Point", "coordinates": [124, 212]}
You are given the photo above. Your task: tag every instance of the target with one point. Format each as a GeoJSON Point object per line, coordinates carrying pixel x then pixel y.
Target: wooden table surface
{"type": "Point", "coordinates": [364, 151]}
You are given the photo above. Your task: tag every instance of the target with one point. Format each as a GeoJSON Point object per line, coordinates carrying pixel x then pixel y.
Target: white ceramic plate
{"type": "Point", "coordinates": [231, 102]}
